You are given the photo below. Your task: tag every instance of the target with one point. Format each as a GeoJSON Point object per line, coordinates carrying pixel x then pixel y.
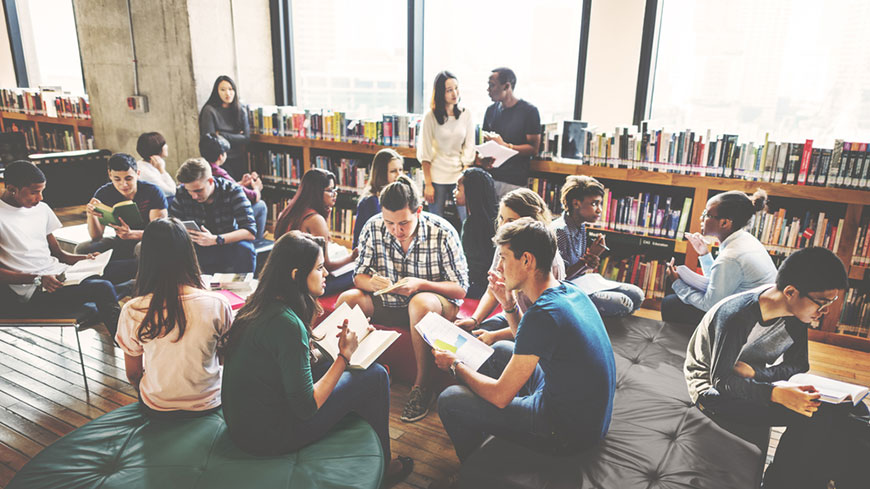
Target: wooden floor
{"type": "Point", "coordinates": [42, 396]}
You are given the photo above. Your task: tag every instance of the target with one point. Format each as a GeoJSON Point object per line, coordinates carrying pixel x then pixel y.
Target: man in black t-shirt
{"type": "Point", "coordinates": [513, 123]}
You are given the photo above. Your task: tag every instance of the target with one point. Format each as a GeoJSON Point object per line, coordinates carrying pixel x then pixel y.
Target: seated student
{"type": "Point", "coordinates": [214, 149]}
{"type": "Point", "coordinates": [124, 184]}
{"type": "Point", "coordinates": [516, 204]}
{"type": "Point", "coordinates": [387, 165]}
{"type": "Point", "coordinates": [726, 388]}
{"type": "Point", "coordinates": [276, 397]}
{"type": "Point", "coordinates": [225, 241]}
{"type": "Point", "coordinates": [424, 251]}
{"type": "Point", "coordinates": [309, 212]}
{"type": "Point", "coordinates": [582, 198]}
{"type": "Point", "coordinates": [153, 149]}
{"type": "Point", "coordinates": [475, 192]}
{"type": "Point", "coordinates": [173, 326]}
{"type": "Point", "coordinates": [552, 390]}
{"type": "Point", "coordinates": [31, 260]}
{"type": "Point", "coordinates": [743, 262]}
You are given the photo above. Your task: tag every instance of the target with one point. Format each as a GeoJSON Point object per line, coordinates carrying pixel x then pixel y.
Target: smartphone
{"type": "Point", "coordinates": [191, 225]}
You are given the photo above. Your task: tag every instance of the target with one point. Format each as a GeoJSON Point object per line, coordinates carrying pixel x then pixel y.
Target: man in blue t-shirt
{"type": "Point", "coordinates": [124, 184]}
{"type": "Point", "coordinates": [513, 123]}
{"type": "Point", "coordinates": [553, 390]}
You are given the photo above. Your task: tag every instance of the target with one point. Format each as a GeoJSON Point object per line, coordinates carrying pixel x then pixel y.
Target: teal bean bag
{"type": "Point", "coordinates": [126, 449]}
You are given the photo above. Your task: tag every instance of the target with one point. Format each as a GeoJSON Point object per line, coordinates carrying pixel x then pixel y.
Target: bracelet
{"type": "Point", "coordinates": [511, 310]}
{"type": "Point", "coordinates": [346, 360]}
{"type": "Point", "coordinates": [476, 322]}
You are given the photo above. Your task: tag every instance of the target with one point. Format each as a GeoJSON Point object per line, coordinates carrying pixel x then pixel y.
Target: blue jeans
{"type": "Point", "coordinates": [620, 301]}
{"type": "Point", "coordinates": [443, 193]}
{"type": "Point", "coordinates": [494, 323]}
{"type": "Point", "coordinates": [239, 257]}
{"type": "Point", "coordinates": [336, 285]}
{"type": "Point", "coordinates": [260, 217]}
{"type": "Point", "coordinates": [469, 419]}
{"type": "Point", "coordinates": [364, 392]}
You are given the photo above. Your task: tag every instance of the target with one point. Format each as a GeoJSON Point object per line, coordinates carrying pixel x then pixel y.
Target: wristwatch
{"type": "Point", "coordinates": [37, 281]}
{"type": "Point", "coordinates": [453, 367]}
{"type": "Point", "coordinates": [219, 240]}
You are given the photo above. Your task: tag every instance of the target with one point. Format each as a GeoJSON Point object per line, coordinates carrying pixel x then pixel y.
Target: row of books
{"type": "Point", "coordinates": [350, 173]}
{"type": "Point", "coordinates": [341, 223]}
{"type": "Point", "coordinates": [279, 164]}
{"type": "Point", "coordinates": [29, 132]}
{"type": "Point", "coordinates": [861, 250]}
{"type": "Point", "coordinates": [780, 232]}
{"type": "Point", "coordinates": [855, 315]}
{"type": "Point", "coordinates": [392, 130]}
{"type": "Point", "coordinates": [649, 275]}
{"type": "Point", "coordinates": [846, 165]}
{"type": "Point", "coordinates": [50, 103]}
{"type": "Point", "coordinates": [64, 140]}
{"type": "Point", "coordinates": [647, 214]}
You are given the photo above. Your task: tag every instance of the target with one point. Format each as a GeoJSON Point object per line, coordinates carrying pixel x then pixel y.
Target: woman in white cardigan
{"type": "Point", "coordinates": [446, 144]}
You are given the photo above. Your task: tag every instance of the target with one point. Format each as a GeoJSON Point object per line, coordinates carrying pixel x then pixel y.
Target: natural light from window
{"type": "Point", "coordinates": [50, 44]}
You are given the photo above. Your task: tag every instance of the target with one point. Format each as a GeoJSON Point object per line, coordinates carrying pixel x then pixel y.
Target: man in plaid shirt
{"type": "Point", "coordinates": [225, 241]}
{"type": "Point", "coordinates": [422, 254]}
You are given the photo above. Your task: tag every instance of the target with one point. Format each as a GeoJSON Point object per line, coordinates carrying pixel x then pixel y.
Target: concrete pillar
{"type": "Point", "coordinates": [181, 46]}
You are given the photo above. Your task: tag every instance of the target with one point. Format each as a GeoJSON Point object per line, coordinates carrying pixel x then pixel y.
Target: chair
{"type": "Point", "coordinates": [75, 318]}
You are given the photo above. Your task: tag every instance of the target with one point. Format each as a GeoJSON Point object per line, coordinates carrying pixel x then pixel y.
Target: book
{"type": "Point", "coordinates": [236, 301]}
{"type": "Point", "coordinates": [372, 343]}
{"type": "Point", "coordinates": [492, 149]}
{"type": "Point", "coordinates": [126, 210]}
{"type": "Point", "coordinates": [83, 269]}
{"type": "Point", "coordinates": [444, 335]}
{"type": "Point", "coordinates": [832, 391]}
{"type": "Point", "coordinates": [232, 281]}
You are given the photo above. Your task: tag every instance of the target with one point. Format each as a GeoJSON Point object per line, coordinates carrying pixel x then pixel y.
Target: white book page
{"type": "Point", "coordinates": [372, 347]}
{"type": "Point", "coordinates": [347, 268]}
{"type": "Point", "coordinates": [832, 391]}
{"type": "Point", "coordinates": [492, 149]}
{"type": "Point", "coordinates": [329, 327]}
{"type": "Point", "coordinates": [692, 278]}
{"type": "Point", "coordinates": [87, 268]}
{"type": "Point", "coordinates": [444, 335]}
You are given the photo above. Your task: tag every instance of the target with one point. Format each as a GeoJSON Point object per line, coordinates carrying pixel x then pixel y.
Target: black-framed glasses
{"type": "Point", "coordinates": [705, 215]}
{"type": "Point", "coordinates": [332, 190]}
{"type": "Point", "coordinates": [822, 304]}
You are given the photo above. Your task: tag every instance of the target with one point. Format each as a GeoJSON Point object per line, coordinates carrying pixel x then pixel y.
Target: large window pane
{"type": "Point", "coordinates": [50, 44]}
{"type": "Point", "coordinates": [351, 55]}
{"type": "Point", "coordinates": [796, 69]}
{"type": "Point", "coordinates": [539, 40]}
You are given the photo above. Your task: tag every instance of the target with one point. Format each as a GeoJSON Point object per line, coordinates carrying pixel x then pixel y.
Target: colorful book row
{"type": "Point", "coordinates": [281, 165]}
{"type": "Point", "coordinates": [649, 275]}
{"type": "Point", "coordinates": [861, 250]}
{"type": "Point", "coordinates": [779, 232]}
{"type": "Point", "coordinates": [855, 315]}
{"type": "Point", "coordinates": [44, 102]}
{"type": "Point", "coordinates": [350, 173]}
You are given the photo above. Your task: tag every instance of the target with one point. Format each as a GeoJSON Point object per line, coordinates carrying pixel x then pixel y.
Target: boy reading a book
{"type": "Point", "coordinates": [31, 261]}
{"type": "Point", "coordinates": [553, 389]}
{"type": "Point", "coordinates": [417, 258]}
{"type": "Point", "coordinates": [730, 378]}
{"type": "Point", "coordinates": [225, 239]}
{"type": "Point", "coordinates": [124, 185]}
{"type": "Point", "coordinates": [582, 199]}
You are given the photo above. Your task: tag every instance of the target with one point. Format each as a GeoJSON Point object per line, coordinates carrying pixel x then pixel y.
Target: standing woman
{"type": "Point", "coordinates": [224, 115]}
{"type": "Point", "coordinates": [309, 212]}
{"type": "Point", "coordinates": [446, 144]}
{"type": "Point", "coordinates": [743, 262]}
{"type": "Point", "coordinates": [475, 190]}
{"type": "Point", "coordinates": [173, 326]}
{"type": "Point", "coordinates": [277, 397]}
{"type": "Point", "coordinates": [387, 165]}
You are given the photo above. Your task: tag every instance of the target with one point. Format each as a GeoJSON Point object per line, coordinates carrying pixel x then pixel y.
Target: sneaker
{"type": "Point", "coordinates": [418, 405]}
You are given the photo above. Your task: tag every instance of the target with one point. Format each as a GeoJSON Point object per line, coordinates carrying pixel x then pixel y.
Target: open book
{"type": "Point", "coordinates": [832, 391]}
{"type": "Point", "coordinates": [86, 268]}
{"type": "Point", "coordinates": [126, 210]}
{"type": "Point", "coordinates": [444, 335]}
{"type": "Point", "coordinates": [692, 278]}
{"type": "Point", "coordinates": [371, 343]}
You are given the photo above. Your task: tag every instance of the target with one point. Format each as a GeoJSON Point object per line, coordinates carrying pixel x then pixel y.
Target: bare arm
{"type": "Point", "coordinates": [316, 225]}
{"type": "Point", "coordinates": [133, 366]}
{"type": "Point", "coordinates": [499, 392]}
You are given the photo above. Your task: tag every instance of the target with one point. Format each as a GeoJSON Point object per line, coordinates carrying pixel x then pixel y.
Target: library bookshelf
{"type": "Point", "coordinates": [38, 130]}
{"type": "Point", "coordinates": [704, 187]}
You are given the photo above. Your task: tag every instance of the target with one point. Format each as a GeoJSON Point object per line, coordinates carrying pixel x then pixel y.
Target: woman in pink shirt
{"type": "Point", "coordinates": [170, 330]}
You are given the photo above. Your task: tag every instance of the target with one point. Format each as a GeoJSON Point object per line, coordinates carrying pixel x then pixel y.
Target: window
{"type": "Point", "coordinates": [50, 44]}
{"type": "Point", "coordinates": [539, 40]}
{"type": "Point", "coordinates": [351, 56]}
{"type": "Point", "coordinates": [795, 69]}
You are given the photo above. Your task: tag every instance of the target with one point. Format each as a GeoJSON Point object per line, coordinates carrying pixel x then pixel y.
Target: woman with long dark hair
{"type": "Point", "coordinates": [309, 212]}
{"type": "Point", "coordinates": [476, 191]}
{"type": "Point", "coordinates": [276, 398]}
{"type": "Point", "coordinates": [387, 165]}
{"type": "Point", "coordinates": [446, 143]}
{"type": "Point", "coordinates": [223, 114]}
{"type": "Point", "coordinates": [173, 326]}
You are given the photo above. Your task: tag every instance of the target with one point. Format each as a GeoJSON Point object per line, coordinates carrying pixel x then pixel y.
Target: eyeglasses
{"type": "Point", "coordinates": [705, 215]}
{"type": "Point", "coordinates": [332, 190]}
{"type": "Point", "coordinates": [822, 304]}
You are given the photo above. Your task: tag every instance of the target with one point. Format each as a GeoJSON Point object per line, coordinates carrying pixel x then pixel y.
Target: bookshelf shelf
{"type": "Point", "coordinates": [308, 144]}
{"type": "Point", "coordinates": [858, 272]}
{"type": "Point", "coordinates": [678, 244]}
{"type": "Point", "coordinates": [37, 139]}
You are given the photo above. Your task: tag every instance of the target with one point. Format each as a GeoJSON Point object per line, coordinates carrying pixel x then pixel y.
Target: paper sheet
{"type": "Point", "coordinates": [692, 278]}
{"type": "Point", "coordinates": [444, 335]}
{"type": "Point", "coordinates": [492, 149]}
{"type": "Point", "coordinates": [87, 268]}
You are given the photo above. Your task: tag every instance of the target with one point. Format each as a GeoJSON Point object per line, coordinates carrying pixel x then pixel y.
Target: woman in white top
{"type": "Point", "coordinates": [173, 326]}
{"type": "Point", "coordinates": [153, 149]}
{"type": "Point", "coordinates": [446, 144]}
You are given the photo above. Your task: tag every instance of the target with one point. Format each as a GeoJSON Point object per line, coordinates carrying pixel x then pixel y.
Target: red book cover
{"type": "Point", "coordinates": [236, 302]}
{"type": "Point", "coordinates": [634, 270]}
{"type": "Point", "coordinates": [805, 162]}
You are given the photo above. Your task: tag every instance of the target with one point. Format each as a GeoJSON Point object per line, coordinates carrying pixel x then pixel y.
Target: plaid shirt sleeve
{"type": "Point", "coordinates": [454, 265]}
{"type": "Point", "coordinates": [367, 261]}
{"type": "Point", "coordinates": [182, 205]}
{"type": "Point", "coordinates": [241, 206]}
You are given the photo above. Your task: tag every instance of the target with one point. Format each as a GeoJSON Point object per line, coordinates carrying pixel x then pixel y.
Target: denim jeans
{"type": "Point", "coordinates": [494, 323]}
{"type": "Point", "coordinates": [469, 419]}
{"type": "Point", "coordinates": [239, 257]}
{"type": "Point", "coordinates": [620, 301]}
{"type": "Point", "coordinates": [443, 193]}
{"type": "Point", "coordinates": [260, 217]}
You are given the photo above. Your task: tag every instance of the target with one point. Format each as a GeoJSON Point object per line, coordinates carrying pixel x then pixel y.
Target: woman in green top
{"type": "Point", "coordinates": [276, 398]}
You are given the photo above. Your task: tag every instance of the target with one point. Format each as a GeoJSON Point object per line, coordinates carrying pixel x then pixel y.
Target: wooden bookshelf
{"type": "Point", "coordinates": [73, 124]}
{"type": "Point", "coordinates": [854, 200]}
